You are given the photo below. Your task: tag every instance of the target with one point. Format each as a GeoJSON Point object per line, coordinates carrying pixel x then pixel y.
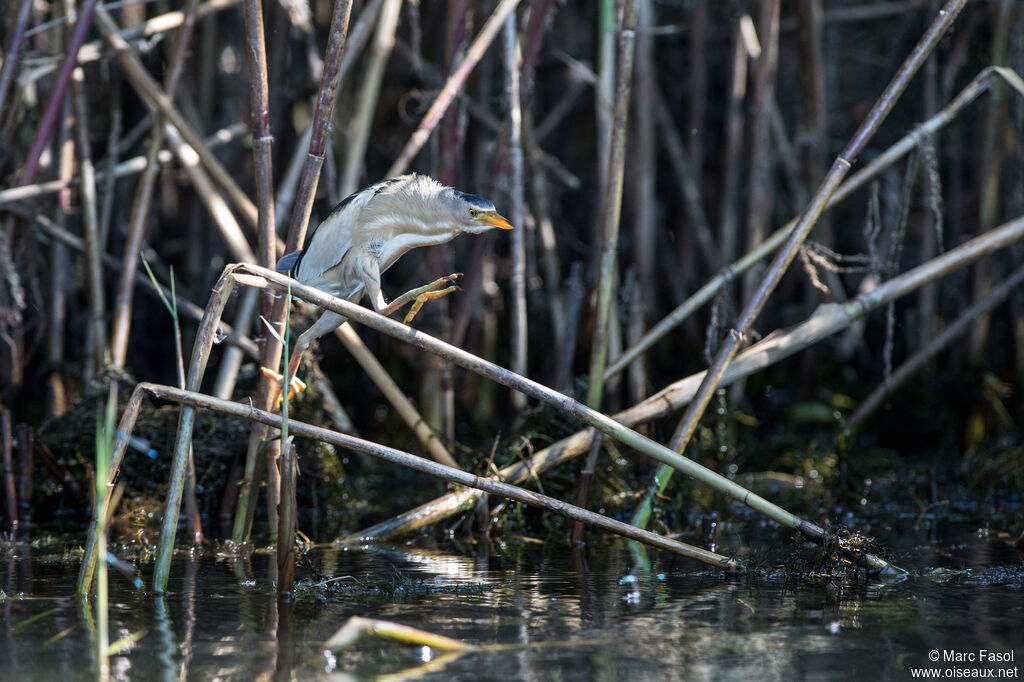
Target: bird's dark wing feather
{"type": "Point", "coordinates": [289, 262]}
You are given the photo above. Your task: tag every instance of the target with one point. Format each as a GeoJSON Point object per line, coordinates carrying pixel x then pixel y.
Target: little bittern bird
{"type": "Point", "coordinates": [367, 232]}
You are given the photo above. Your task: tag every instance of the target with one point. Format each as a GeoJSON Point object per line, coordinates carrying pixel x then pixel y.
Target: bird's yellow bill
{"type": "Point", "coordinates": [495, 220]}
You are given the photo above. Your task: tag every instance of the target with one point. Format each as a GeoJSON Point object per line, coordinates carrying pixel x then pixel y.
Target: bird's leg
{"type": "Point", "coordinates": [296, 385]}
{"type": "Point", "coordinates": [327, 322]}
{"type": "Point", "coordinates": [421, 295]}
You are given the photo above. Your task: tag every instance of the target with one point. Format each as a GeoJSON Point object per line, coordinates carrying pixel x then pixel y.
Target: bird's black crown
{"type": "Point", "coordinates": [476, 201]}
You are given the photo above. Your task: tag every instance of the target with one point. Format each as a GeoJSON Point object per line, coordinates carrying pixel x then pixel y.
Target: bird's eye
{"type": "Point", "coordinates": [472, 213]}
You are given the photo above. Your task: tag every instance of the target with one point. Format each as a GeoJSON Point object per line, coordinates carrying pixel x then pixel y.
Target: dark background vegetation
{"type": "Point", "coordinates": [952, 429]}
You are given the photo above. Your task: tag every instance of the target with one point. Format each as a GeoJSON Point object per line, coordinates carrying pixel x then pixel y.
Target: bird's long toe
{"type": "Point", "coordinates": [423, 298]}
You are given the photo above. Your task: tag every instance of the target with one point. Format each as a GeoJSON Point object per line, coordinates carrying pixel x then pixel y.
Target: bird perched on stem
{"type": "Point", "coordinates": [368, 231]}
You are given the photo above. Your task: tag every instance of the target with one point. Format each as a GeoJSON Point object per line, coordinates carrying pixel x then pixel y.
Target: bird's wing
{"type": "Point", "coordinates": [332, 238]}
{"type": "Point", "coordinates": [287, 262]}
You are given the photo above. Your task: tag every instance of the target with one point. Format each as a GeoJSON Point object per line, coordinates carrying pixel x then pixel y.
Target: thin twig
{"type": "Point", "coordinates": [454, 84]}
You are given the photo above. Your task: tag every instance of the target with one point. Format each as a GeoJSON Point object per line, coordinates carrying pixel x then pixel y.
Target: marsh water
{"type": "Point", "coordinates": [538, 610]}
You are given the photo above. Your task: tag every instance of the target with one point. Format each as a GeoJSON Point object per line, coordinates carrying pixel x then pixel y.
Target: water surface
{"type": "Point", "coordinates": [541, 611]}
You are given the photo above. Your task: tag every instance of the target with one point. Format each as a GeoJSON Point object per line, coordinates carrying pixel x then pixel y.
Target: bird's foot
{"type": "Point", "coordinates": [429, 296]}
{"type": "Point", "coordinates": [296, 385]}
{"type": "Point", "coordinates": [423, 294]}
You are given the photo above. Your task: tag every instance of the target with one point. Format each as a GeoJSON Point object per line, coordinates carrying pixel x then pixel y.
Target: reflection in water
{"type": "Point", "coordinates": [608, 610]}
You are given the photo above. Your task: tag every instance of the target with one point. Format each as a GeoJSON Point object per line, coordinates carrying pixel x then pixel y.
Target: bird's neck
{"type": "Point", "coordinates": [391, 241]}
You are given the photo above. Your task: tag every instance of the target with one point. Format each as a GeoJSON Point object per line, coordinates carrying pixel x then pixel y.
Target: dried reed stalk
{"type": "Point", "coordinates": [271, 357]}
{"type": "Point", "coordinates": [517, 279]}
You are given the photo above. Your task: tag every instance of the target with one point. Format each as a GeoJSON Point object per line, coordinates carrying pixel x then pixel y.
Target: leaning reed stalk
{"type": "Point", "coordinates": [87, 572]}
{"type": "Point", "coordinates": [185, 306]}
{"type": "Point", "coordinates": [320, 132]}
{"type": "Point", "coordinates": [13, 48]}
{"type": "Point", "coordinates": [784, 257]}
{"type": "Point", "coordinates": [394, 395]}
{"type": "Point", "coordinates": [158, 101]}
{"type": "Point", "coordinates": [191, 400]}
{"type": "Point", "coordinates": [517, 280]}
{"type": "Point", "coordinates": [171, 305]}
{"type": "Point", "coordinates": [144, 195]}
{"type": "Point", "coordinates": [252, 275]}
{"type": "Point", "coordinates": [323, 113]}
{"type": "Point", "coordinates": [981, 83]}
{"type": "Point", "coordinates": [44, 131]}
{"type": "Point", "coordinates": [828, 320]}
{"type": "Point", "coordinates": [180, 457]}
{"type": "Point", "coordinates": [126, 168]}
{"type": "Point", "coordinates": [939, 343]}
{"type": "Point", "coordinates": [452, 86]}
{"type": "Point", "coordinates": [93, 50]}
{"type": "Point", "coordinates": [611, 204]}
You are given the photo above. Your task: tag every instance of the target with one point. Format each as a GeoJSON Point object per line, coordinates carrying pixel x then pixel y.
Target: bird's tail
{"type": "Point", "coordinates": [288, 262]}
